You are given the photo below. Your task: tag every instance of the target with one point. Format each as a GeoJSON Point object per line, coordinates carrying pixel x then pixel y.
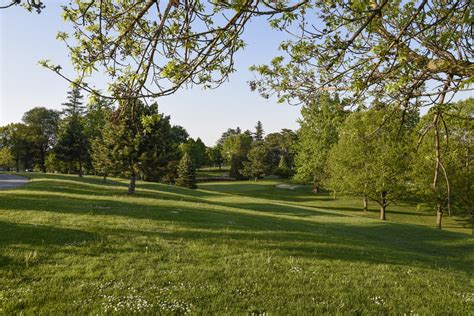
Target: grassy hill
{"type": "Point", "coordinates": [70, 245]}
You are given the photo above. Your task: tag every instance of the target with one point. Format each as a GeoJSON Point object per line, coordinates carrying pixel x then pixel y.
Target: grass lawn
{"type": "Point", "coordinates": [208, 172]}
{"type": "Point", "coordinates": [76, 246]}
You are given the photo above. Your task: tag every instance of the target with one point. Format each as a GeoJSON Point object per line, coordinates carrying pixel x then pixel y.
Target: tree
{"type": "Point", "coordinates": [281, 150]}
{"type": "Point", "coordinates": [16, 137]}
{"type": "Point", "coordinates": [130, 41]}
{"type": "Point", "coordinates": [98, 112]}
{"type": "Point", "coordinates": [451, 187]}
{"type": "Point", "coordinates": [157, 145]}
{"type": "Point", "coordinates": [235, 149]}
{"type": "Point", "coordinates": [179, 134]}
{"type": "Point", "coordinates": [318, 132]}
{"type": "Point", "coordinates": [42, 130]}
{"type": "Point", "coordinates": [283, 170]}
{"type": "Point", "coordinates": [215, 155]}
{"type": "Point", "coordinates": [256, 166]}
{"type": "Point", "coordinates": [121, 140]}
{"type": "Point", "coordinates": [139, 142]}
{"type": "Point", "coordinates": [372, 157]}
{"type": "Point", "coordinates": [200, 153]}
{"type": "Point", "coordinates": [30, 5]}
{"type": "Point", "coordinates": [417, 53]}
{"type": "Point", "coordinates": [394, 50]}
{"type": "Point", "coordinates": [196, 151]}
{"type": "Point", "coordinates": [6, 158]}
{"type": "Point", "coordinates": [186, 173]}
{"type": "Point", "coordinates": [228, 133]}
{"type": "Point", "coordinates": [53, 164]}
{"type": "Point", "coordinates": [258, 136]}
{"type": "Point", "coordinates": [72, 146]}
{"type": "Point", "coordinates": [101, 155]}
{"type": "Point", "coordinates": [74, 104]}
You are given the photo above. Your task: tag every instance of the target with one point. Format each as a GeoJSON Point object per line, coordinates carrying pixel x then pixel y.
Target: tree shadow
{"type": "Point", "coordinates": [250, 225]}
{"type": "Point", "coordinates": [13, 233]}
{"type": "Point", "coordinates": [379, 243]}
{"type": "Point", "coordinates": [35, 236]}
{"type": "Point", "coordinates": [281, 209]}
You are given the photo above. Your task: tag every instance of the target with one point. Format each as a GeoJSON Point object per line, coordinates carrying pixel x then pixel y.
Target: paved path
{"type": "Point", "coordinates": [8, 181]}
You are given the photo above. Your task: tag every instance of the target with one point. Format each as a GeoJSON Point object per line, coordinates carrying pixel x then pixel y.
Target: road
{"type": "Point", "coordinates": [8, 181]}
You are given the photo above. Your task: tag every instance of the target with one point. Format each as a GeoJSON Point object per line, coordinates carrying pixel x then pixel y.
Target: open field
{"type": "Point", "coordinates": [71, 245]}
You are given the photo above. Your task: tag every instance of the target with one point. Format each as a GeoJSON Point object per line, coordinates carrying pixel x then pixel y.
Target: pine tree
{"type": "Point", "coordinates": [283, 171]}
{"type": "Point", "coordinates": [256, 165]}
{"type": "Point", "coordinates": [258, 132]}
{"type": "Point", "coordinates": [72, 145]}
{"type": "Point", "coordinates": [73, 105]}
{"type": "Point", "coordinates": [186, 173]}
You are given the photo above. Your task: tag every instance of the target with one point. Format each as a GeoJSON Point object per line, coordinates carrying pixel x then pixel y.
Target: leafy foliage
{"type": "Point", "coordinates": [317, 134]}
{"type": "Point", "coordinates": [372, 156]}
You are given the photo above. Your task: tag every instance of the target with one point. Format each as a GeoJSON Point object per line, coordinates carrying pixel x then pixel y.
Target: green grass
{"type": "Point", "coordinates": [76, 246]}
{"type": "Point", "coordinates": [209, 172]}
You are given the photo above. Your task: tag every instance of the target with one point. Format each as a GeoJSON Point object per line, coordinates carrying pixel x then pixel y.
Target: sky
{"type": "Point", "coordinates": [26, 38]}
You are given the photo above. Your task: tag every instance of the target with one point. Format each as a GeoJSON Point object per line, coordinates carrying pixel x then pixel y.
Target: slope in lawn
{"type": "Point", "coordinates": [72, 245]}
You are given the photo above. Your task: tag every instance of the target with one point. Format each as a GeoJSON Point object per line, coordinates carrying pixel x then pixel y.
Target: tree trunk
{"type": "Point", "coordinates": [315, 185]}
{"type": "Point", "coordinates": [382, 213]}
{"type": "Point", "coordinates": [104, 179]}
{"type": "Point", "coordinates": [472, 221]}
{"type": "Point", "coordinates": [17, 162]}
{"type": "Point", "coordinates": [256, 178]}
{"type": "Point", "coordinates": [366, 203]}
{"type": "Point", "coordinates": [383, 205]}
{"type": "Point", "coordinates": [334, 194]}
{"type": "Point", "coordinates": [42, 161]}
{"type": "Point", "coordinates": [132, 185]}
{"type": "Point", "coordinates": [439, 216]}
{"type": "Point", "coordinates": [80, 169]}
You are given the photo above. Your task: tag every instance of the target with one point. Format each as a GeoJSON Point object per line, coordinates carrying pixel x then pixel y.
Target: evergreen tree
{"type": "Point", "coordinates": [258, 136]}
{"type": "Point", "coordinates": [138, 143]}
{"type": "Point", "coordinates": [256, 166]}
{"type": "Point", "coordinates": [283, 170]}
{"type": "Point", "coordinates": [74, 104]}
{"type": "Point", "coordinates": [186, 173]}
{"type": "Point", "coordinates": [98, 112]}
{"type": "Point", "coordinates": [101, 154]}
{"type": "Point", "coordinates": [72, 146]}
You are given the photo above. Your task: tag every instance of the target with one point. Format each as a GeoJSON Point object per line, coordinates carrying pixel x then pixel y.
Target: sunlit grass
{"type": "Point", "coordinates": [71, 245]}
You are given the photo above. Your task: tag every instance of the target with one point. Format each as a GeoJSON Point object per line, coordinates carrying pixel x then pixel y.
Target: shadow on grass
{"type": "Point", "coordinates": [13, 233]}
{"type": "Point", "coordinates": [248, 225]}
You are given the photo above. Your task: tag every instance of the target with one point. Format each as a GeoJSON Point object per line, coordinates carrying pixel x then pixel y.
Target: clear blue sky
{"type": "Point", "coordinates": [26, 38]}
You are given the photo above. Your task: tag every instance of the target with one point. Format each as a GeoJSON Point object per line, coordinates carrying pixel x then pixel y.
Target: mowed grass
{"type": "Point", "coordinates": [77, 246]}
